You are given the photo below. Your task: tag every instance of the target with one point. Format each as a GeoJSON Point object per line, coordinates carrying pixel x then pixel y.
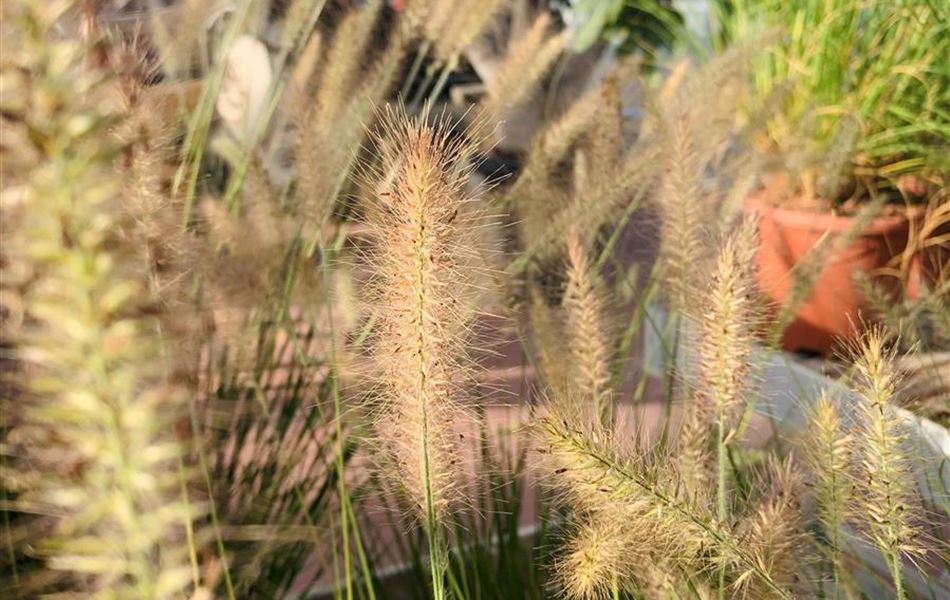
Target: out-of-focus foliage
{"type": "Point", "coordinates": [646, 25]}
{"type": "Point", "coordinates": [863, 90]}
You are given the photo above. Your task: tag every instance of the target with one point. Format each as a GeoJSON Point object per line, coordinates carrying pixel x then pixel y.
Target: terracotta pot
{"type": "Point", "coordinates": [836, 308]}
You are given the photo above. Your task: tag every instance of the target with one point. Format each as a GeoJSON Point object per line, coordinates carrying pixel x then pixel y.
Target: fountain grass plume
{"type": "Point", "coordinates": [729, 322]}
{"type": "Point", "coordinates": [603, 557]}
{"type": "Point", "coordinates": [683, 226]}
{"type": "Point", "coordinates": [829, 452]}
{"type": "Point", "coordinates": [451, 26]}
{"type": "Point", "coordinates": [698, 142]}
{"type": "Point", "coordinates": [526, 62]}
{"type": "Point", "coordinates": [727, 329]}
{"type": "Point", "coordinates": [341, 70]}
{"type": "Point", "coordinates": [595, 560]}
{"type": "Point", "coordinates": [887, 497]}
{"type": "Point", "coordinates": [587, 214]}
{"type": "Point", "coordinates": [553, 144]}
{"type": "Point", "coordinates": [548, 203]}
{"type": "Point", "coordinates": [604, 143]}
{"type": "Point", "coordinates": [425, 263]}
{"type": "Point", "coordinates": [620, 499]}
{"type": "Point", "coordinates": [588, 331]}
{"type": "Point", "coordinates": [550, 358]}
{"type": "Point", "coordinates": [693, 456]}
{"type": "Point", "coordinates": [537, 195]}
{"type": "Point", "coordinates": [775, 536]}
{"type": "Point", "coordinates": [331, 129]}
{"type": "Point", "coordinates": [641, 489]}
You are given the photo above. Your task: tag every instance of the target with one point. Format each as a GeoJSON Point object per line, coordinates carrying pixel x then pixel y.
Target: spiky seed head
{"type": "Point", "coordinates": [729, 321]}
{"type": "Point", "coordinates": [775, 536]}
{"type": "Point", "coordinates": [829, 453]}
{"type": "Point", "coordinates": [424, 261]}
{"type": "Point", "coordinates": [888, 500]}
{"type": "Point", "coordinates": [587, 329]}
{"type": "Point", "coordinates": [596, 556]}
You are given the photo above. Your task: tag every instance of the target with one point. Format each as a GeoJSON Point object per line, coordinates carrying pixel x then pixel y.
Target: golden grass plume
{"type": "Point", "coordinates": [887, 498]}
{"type": "Point", "coordinates": [729, 320]}
{"type": "Point", "coordinates": [524, 65]}
{"type": "Point", "coordinates": [640, 487]}
{"type": "Point", "coordinates": [829, 452]}
{"type": "Point", "coordinates": [425, 261]}
{"type": "Point", "coordinates": [588, 330]}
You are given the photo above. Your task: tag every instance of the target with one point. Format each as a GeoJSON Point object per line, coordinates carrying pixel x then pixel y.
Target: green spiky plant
{"type": "Point", "coordinates": [646, 26]}
{"type": "Point", "coordinates": [866, 93]}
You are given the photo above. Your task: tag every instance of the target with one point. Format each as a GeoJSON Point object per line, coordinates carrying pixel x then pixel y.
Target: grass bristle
{"type": "Point", "coordinates": [729, 322]}
{"type": "Point", "coordinates": [775, 536]}
{"type": "Point", "coordinates": [525, 64]}
{"type": "Point", "coordinates": [641, 488]}
{"type": "Point", "coordinates": [829, 454]}
{"type": "Point", "coordinates": [450, 28]}
{"type": "Point", "coordinates": [684, 214]}
{"type": "Point", "coordinates": [595, 559]}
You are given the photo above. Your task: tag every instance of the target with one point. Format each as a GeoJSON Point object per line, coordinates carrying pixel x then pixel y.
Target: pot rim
{"type": "Point", "coordinates": [827, 221]}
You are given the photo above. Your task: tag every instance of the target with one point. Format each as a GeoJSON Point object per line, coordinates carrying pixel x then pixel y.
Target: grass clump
{"type": "Point", "coordinates": [867, 93]}
{"type": "Point", "coordinates": [189, 354]}
{"type": "Point", "coordinates": [640, 487]}
{"type": "Point", "coordinates": [714, 516]}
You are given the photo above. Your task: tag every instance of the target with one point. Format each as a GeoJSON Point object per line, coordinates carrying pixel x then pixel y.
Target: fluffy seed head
{"type": "Point", "coordinates": [828, 453]}
{"type": "Point", "coordinates": [424, 264]}
{"type": "Point", "coordinates": [527, 60]}
{"type": "Point", "coordinates": [729, 320]}
{"type": "Point", "coordinates": [597, 477]}
{"type": "Point", "coordinates": [683, 216]}
{"type": "Point", "coordinates": [91, 435]}
{"type": "Point", "coordinates": [587, 330]}
{"type": "Point", "coordinates": [887, 499]}
{"type": "Point", "coordinates": [774, 536]}
{"type": "Point", "coordinates": [693, 457]}
{"type": "Point", "coordinates": [451, 28]}
{"type": "Point", "coordinates": [642, 491]}
{"type": "Point", "coordinates": [596, 555]}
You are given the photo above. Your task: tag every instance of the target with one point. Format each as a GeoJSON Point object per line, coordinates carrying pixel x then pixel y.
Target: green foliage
{"type": "Point", "coordinates": [864, 80]}
{"type": "Point", "coordinates": [646, 25]}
